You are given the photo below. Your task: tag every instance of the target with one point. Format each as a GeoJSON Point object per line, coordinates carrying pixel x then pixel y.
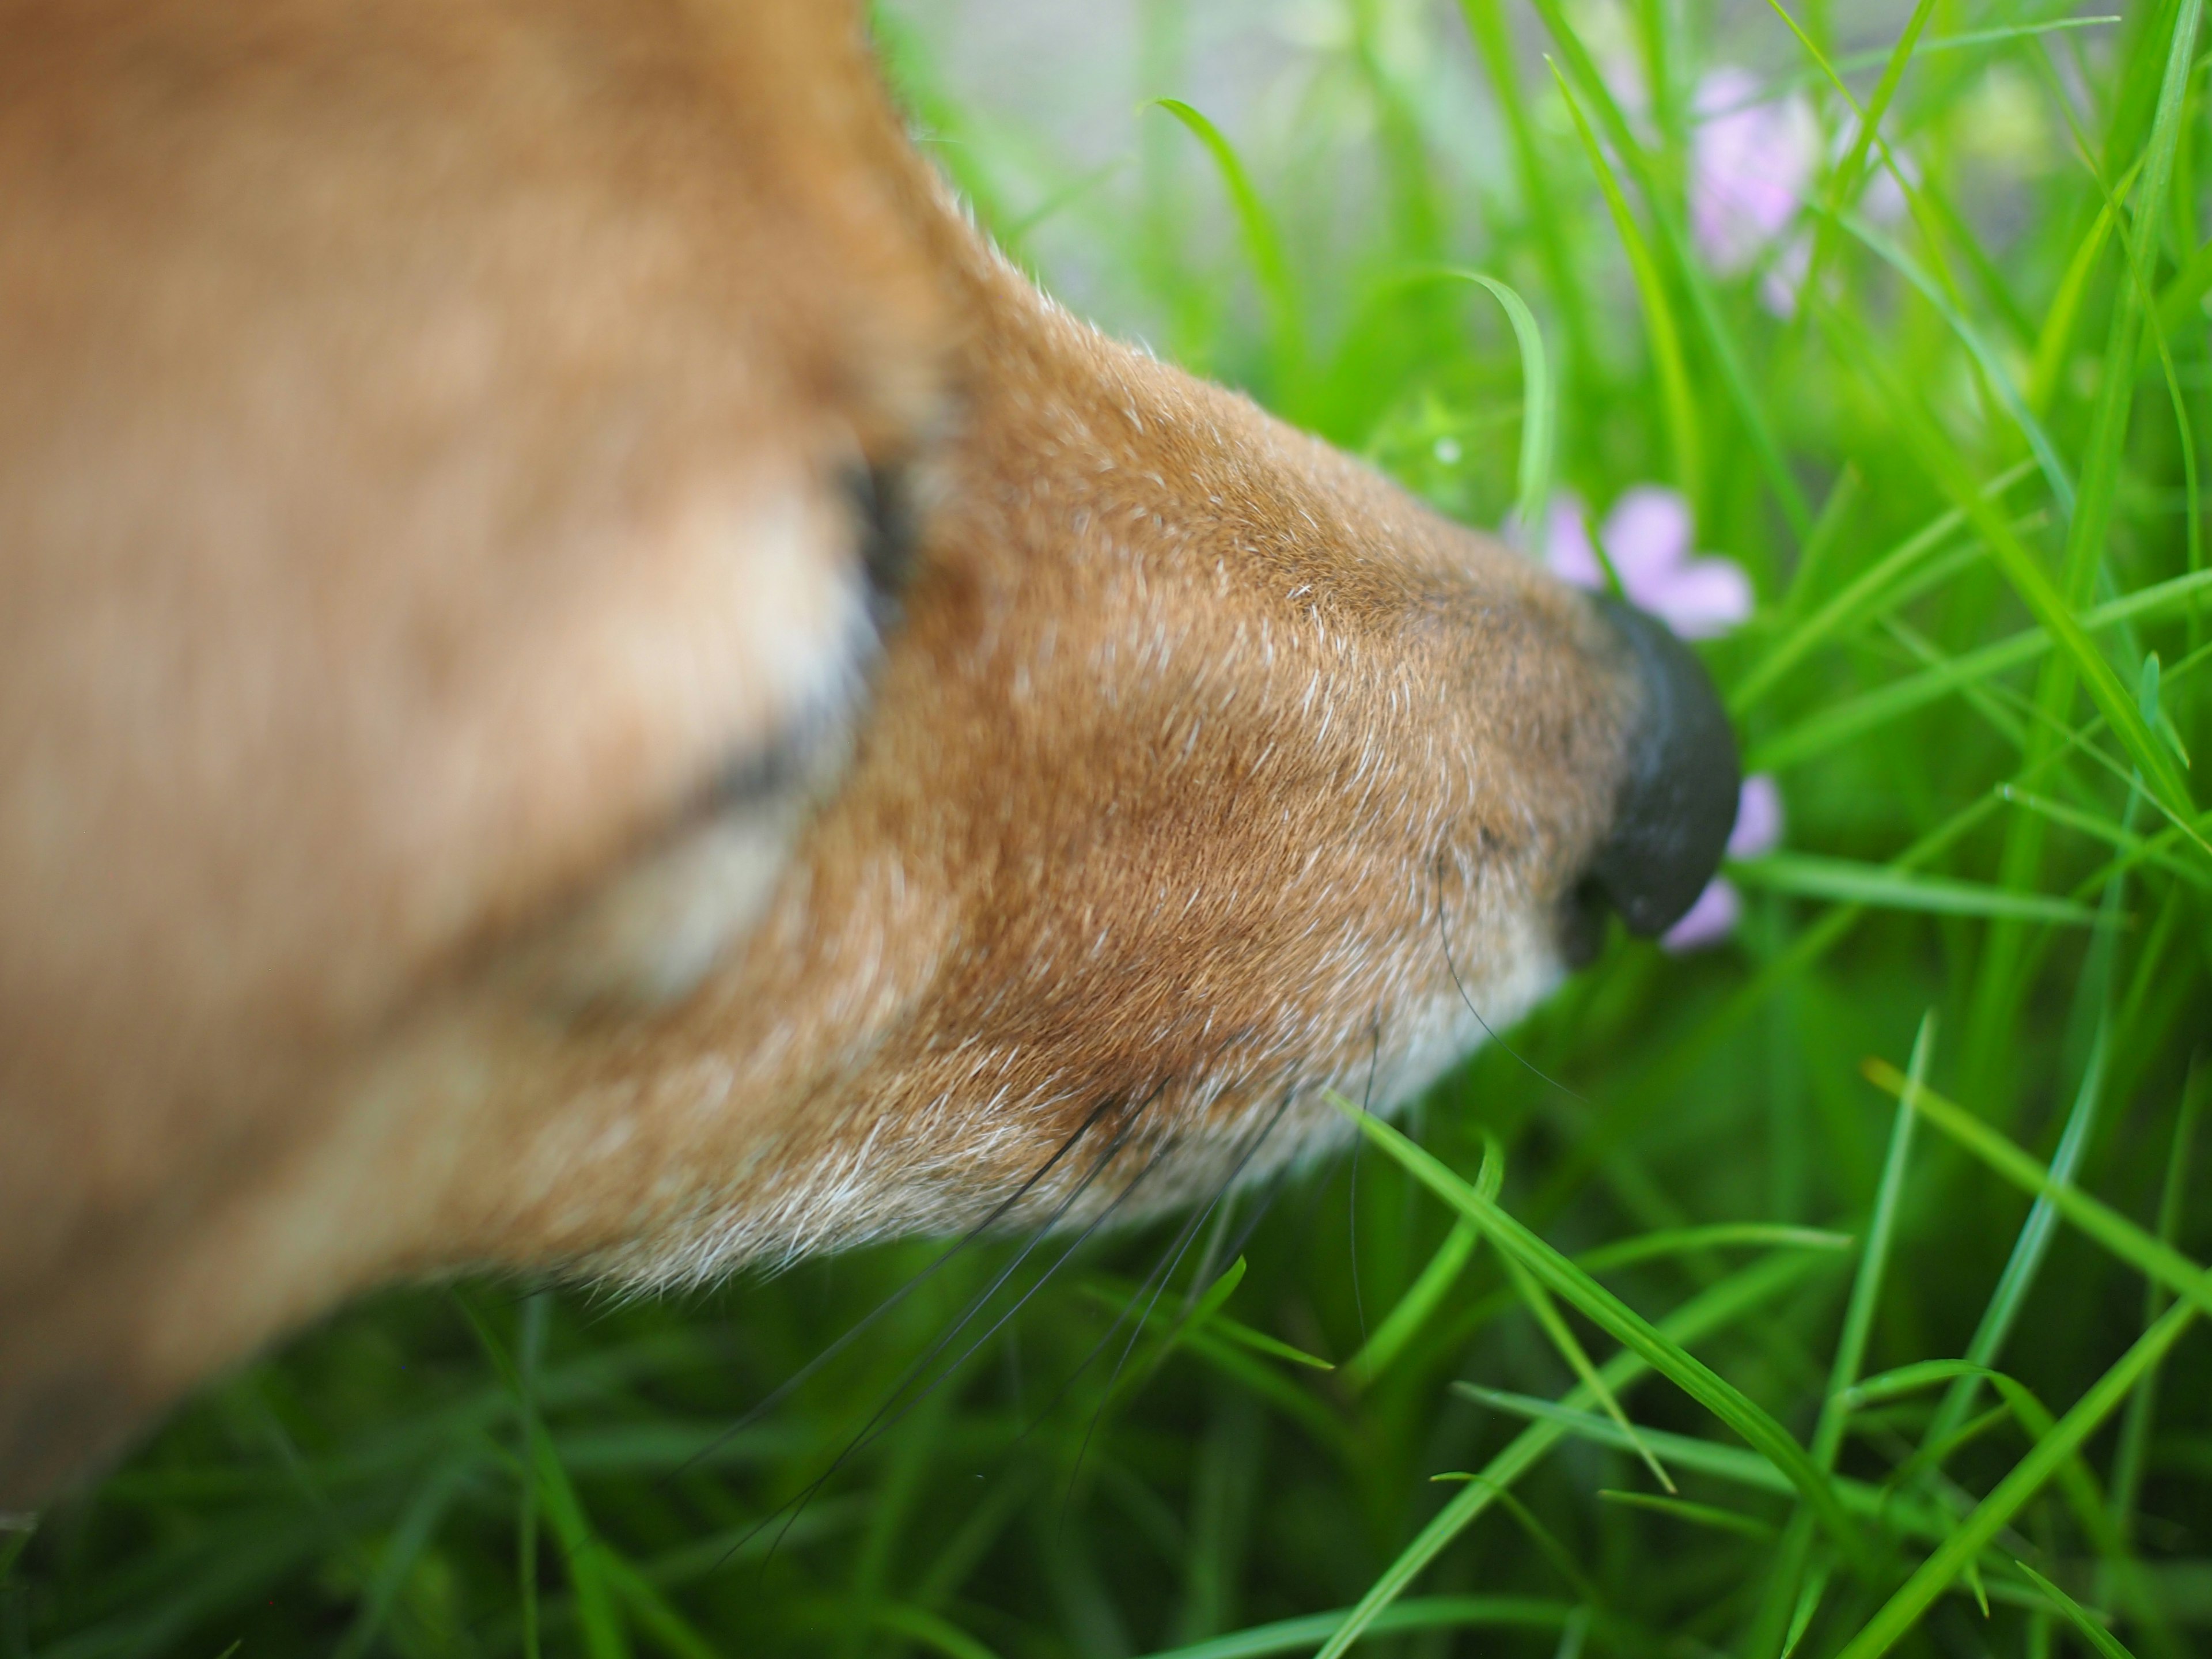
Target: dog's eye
{"type": "Point", "coordinates": [882, 494]}
{"type": "Point", "coordinates": [660, 923]}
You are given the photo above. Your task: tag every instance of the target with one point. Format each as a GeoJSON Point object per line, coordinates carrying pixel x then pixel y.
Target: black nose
{"type": "Point", "coordinates": [1679, 800]}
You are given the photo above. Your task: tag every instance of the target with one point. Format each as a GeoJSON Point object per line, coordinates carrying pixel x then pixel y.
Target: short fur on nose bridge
{"type": "Point", "coordinates": [1678, 800]}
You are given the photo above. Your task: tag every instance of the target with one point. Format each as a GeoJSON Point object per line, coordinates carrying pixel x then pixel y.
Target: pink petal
{"type": "Point", "coordinates": [1567, 545]}
{"type": "Point", "coordinates": [1758, 819]}
{"type": "Point", "coordinates": [1750, 165]}
{"type": "Point", "coordinates": [1702, 601]}
{"type": "Point", "coordinates": [1647, 535]}
{"type": "Point", "coordinates": [1779, 282]}
{"type": "Point", "coordinates": [1707, 922]}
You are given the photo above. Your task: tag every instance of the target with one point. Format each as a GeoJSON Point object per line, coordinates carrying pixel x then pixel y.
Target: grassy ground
{"type": "Point", "coordinates": [1922, 1412]}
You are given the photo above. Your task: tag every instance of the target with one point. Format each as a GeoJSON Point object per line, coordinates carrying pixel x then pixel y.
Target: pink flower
{"type": "Point", "coordinates": [1647, 537]}
{"type": "Point", "coordinates": [1757, 830]}
{"type": "Point", "coordinates": [1751, 166]}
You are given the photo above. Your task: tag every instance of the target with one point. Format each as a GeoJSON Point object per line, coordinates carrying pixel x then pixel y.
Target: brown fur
{"type": "Point", "coordinates": [425, 461]}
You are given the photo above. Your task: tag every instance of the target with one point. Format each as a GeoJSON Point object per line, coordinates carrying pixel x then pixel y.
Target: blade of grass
{"type": "Point", "coordinates": [2029, 1249]}
{"type": "Point", "coordinates": [1697, 1515]}
{"type": "Point", "coordinates": [1882, 887]}
{"type": "Point", "coordinates": [1539, 406]}
{"type": "Point", "coordinates": [1672, 1070]}
{"type": "Point", "coordinates": [2099, 1638]}
{"type": "Point", "coordinates": [403, 1549]}
{"type": "Point", "coordinates": [2076, 1479]}
{"type": "Point", "coordinates": [1733, 1464]}
{"type": "Point", "coordinates": [1678, 1241]}
{"type": "Point", "coordinates": [1933, 449]}
{"type": "Point", "coordinates": [1861, 715]}
{"type": "Point", "coordinates": [1685, 435]}
{"type": "Point", "coordinates": [1856, 598]}
{"type": "Point", "coordinates": [1844, 178]}
{"type": "Point", "coordinates": [653, 1614]}
{"type": "Point", "coordinates": [1690, 1242]}
{"type": "Point", "coordinates": [1540, 1303]}
{"type": "Point", "coordinates": [1414, 1309]}
{"type": "Point", "coordinates": [2033, 1242]}
{"type": "Point", "coordinates": [1786, 1586]}
{"type": "Point", "coordinates": [582, 1552]}
{"type": "Point", "coordinates": [1486, 24]}
{"type": "Point", "coordinates": [532, 1349]}
{"type": "Point", "coordinates": [1821, 546]}
{"type": "Point", "coordinates": [2129, 1458]}
{"type": "Point", "coordinates": [1765, 447]}
{"type": "Point", "coordinates": [1418, 1613]}
{"type": "Point", "coordinates": [1421, 1300]}
{"type": "Point", "coordinates": [2065, 307]}
{"type": "Point", "coordinates": [1263, 244]}
{"type": "Point", "coordinates": [2144, 849]}
{"type": "Point", "coordinates": [1703, 1315]}
{"type": "Point", "coordinates": [1561, 1558]}
{"type": "Point", "coordinates": [2122, 1237]}
{"type": "Point", "coordinates": [1623, 1323]}
{"type": "Point", "coordinates": [1994, 373]}
{"type": "Point", "coordinates": [1808, 1603]}
{"type": "Point", "coordinates": [1903, 1610]}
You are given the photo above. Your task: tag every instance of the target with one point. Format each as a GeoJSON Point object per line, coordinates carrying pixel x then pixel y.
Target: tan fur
{"type": "Point", "coordinates": [424, 451]}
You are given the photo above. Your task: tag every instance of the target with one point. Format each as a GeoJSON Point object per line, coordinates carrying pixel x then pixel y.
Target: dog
{"type": "Point", "coordinates": [591, 683]}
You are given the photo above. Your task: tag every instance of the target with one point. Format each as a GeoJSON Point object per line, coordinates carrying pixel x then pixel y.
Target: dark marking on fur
{"type": "Point", "coordinates": [889, 526]}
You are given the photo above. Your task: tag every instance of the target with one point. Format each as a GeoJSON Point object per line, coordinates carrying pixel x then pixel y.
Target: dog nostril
{"type": "Point", "coordinates": [1677, 802]}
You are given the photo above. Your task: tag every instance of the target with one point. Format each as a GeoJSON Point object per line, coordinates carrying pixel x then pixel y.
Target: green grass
{"type": "Point", "coordinates": [1877, 1230]}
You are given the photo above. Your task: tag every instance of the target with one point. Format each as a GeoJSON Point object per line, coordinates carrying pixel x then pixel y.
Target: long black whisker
{"type": "Point", "coordinates": [1067, 1383]}
{"type": "Point", "coordinates": [918, 1367]}
{"type": "Point", "coordinates": [1452, 967]}
{"type": "Point", "coordinates": [1163, 1265]}
{"type": "Point", "coordinates": [783, 1390]}
{"type": "Point", "coordinates": [1182, 1245]}
{"type": "Point", "coordinates": [1274, 1188]}
{"type": "Point", "coordinates": [1066, 1255]}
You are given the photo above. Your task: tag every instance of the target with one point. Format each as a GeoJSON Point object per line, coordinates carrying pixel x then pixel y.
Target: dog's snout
{"type": "Point", "coordinates": [1678, 799]}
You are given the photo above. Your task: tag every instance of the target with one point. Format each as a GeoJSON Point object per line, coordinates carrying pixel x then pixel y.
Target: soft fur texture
{"type": "Point", "coordinates": [468, 795]}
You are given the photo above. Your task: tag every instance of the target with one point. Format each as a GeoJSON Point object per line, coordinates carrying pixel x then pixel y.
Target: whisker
{"type": "Point", "coordinates": [1068, 1383]}
{"type": "Point", "coordinates": [867, 1433]}
{"type": "Point", "coordinates": [797, 1378]}
{"type": "Point", "coordinates": [1164, 1264]}
{"type": "Point", "coordinates": [1452, 967]}
{"type": "Point", "coordinates": [1174, 1257]}
{"type": "Point", "coordinates": [1276, 1184]}
{"type": "Point", "coordinates": [1067, 1256]}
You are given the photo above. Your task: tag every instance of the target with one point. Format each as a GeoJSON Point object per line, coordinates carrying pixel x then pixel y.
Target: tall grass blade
{"type": "Point", "coordinates": [1685, 432]}
{"type": "Point", "coordinates": [1834, 1421]}
{"type": "Point", "coordinates": [1539, 406]}
{"type": "Point", "coordinates": [1856, 598]}
{"type": "Point", "coordinates": [582, 1554]}
{"type": "Point", "coordinates": [1665, 1356]}
{"type": "Point", "coordinates": [1885, 887]}
{"type": "Point", "coordinates": [1416, 1613]}
{"type": "Point", "coordinates": [1263, 243]}
{"type": "Point", "coordinates": [2122, 1237]}
{"type": "Point", "coordinates": [1710, 1311]}
{"type": "Point", "coordinates": [2098, 1636]}
{"type": "Point", "coordinates": [1903, 1610]}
